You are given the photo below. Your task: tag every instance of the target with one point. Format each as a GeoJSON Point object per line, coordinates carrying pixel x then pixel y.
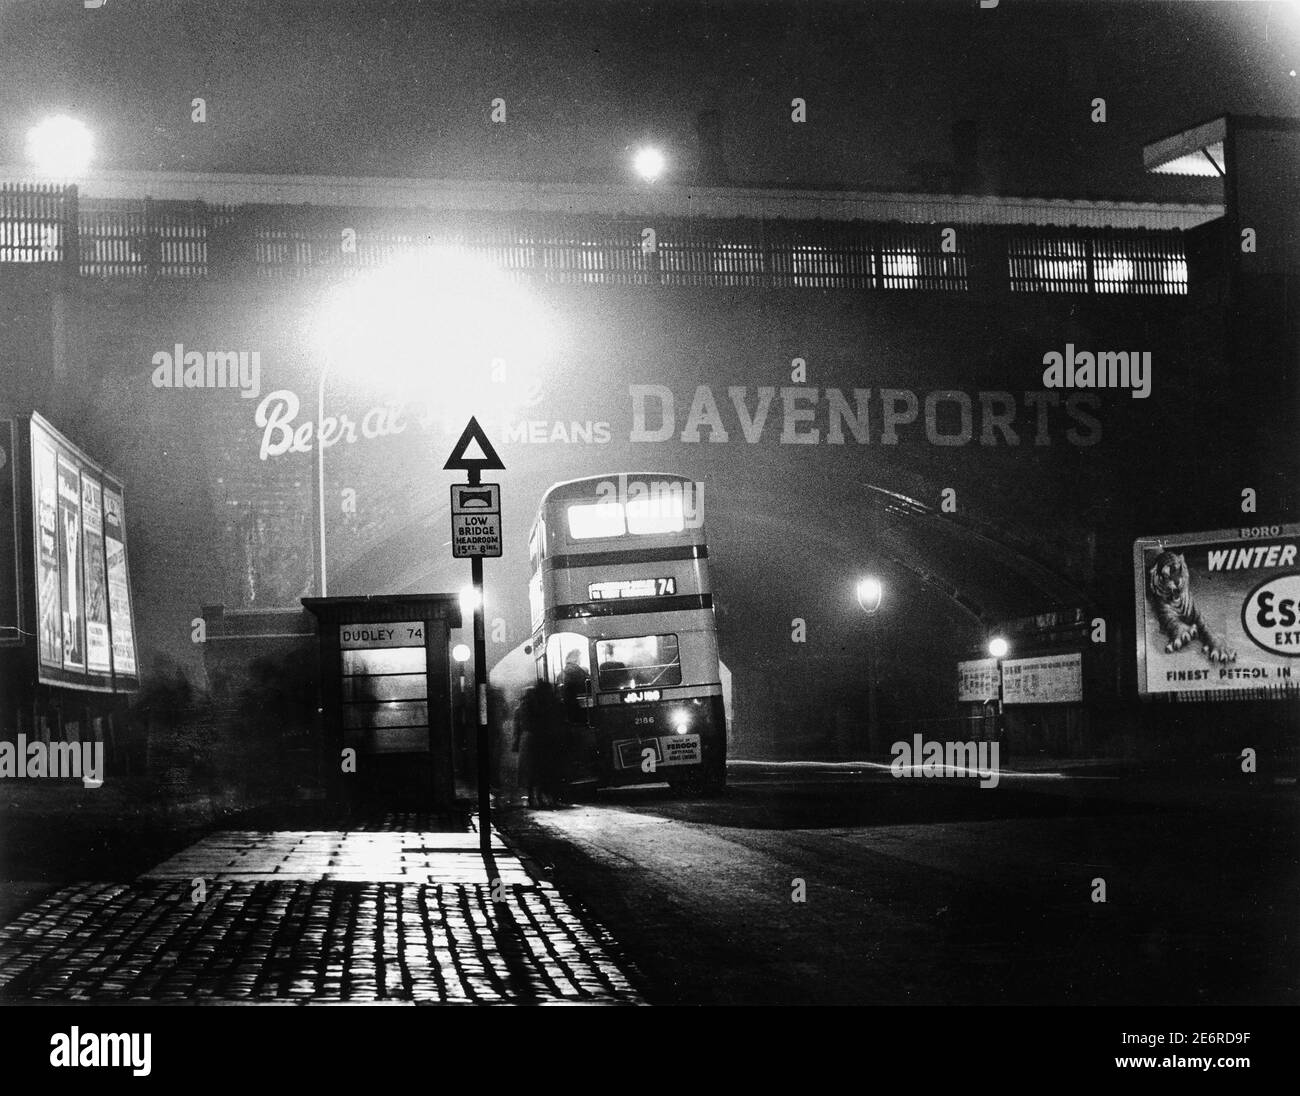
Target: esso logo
{"type": "Point", "coordinates": [1271, 615]}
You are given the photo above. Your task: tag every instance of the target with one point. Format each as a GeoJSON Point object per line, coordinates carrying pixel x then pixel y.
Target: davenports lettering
{"type": "Point", "coordinates": [813, 416]}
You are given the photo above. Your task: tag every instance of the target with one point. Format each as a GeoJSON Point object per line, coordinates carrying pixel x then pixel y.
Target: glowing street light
{"type": "Point", "coordinates": [649, 163]}
{"type": "Point", "coordinates": [442, 325]}
{"type": "Point", "coordinates": [60, 147]}
{"type": "Point", "coordinates": [869, 593]}
{"type": "Point", "coordinates": [460, 653]}
{"type": "Point", "coordinates": [468, 603]}
{"type": "Point", "coordinates": [998, 648]}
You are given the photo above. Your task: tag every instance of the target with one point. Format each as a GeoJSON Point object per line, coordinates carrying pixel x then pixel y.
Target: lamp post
{"type": "Point", "coordinates": [321, 583]}
{"type": "Point", "coordinates": [998, 649]}
{"type": "Point", "coordinates": [870, 592]}
{"type": "Point", "coordinates": [460, 655]}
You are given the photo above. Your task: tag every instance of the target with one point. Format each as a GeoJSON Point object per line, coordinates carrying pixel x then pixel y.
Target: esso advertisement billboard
{"type": "Point", "coordinates": [1219, 612]}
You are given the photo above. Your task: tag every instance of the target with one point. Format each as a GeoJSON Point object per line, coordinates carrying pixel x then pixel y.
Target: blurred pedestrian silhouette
{"type": "Point", "coordinates": [540, 737]}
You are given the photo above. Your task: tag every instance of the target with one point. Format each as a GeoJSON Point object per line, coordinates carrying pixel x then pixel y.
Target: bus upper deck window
{"type": "Point", "coordinates": [595, 519]}
{"type": "Point", "coordinates": [660, 513]}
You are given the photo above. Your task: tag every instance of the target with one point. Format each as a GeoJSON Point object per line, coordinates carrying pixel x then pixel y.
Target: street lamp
{"type": "Point", "coordinates": [649, 163]}
{"type": "Point", "coordinates": [440, 323]}
{"type": "Point", "coordinates": [469, 601]}
{"type": "Point", "coordinates": [870, 591]}
{"type": "Point", "coordinates": [998, 649]}
{"type": "Point", "coordinates": [60, 147]}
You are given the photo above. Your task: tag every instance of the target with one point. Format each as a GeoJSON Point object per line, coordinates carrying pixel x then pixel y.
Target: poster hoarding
{"type": "Point", "coordinates": [1218, 613]}
{"type": "Point", "coordinates": [45, 508]}
{"type": "Point", "coordinates": [977, 680]}
{"type": "Point", "coordinates": [98, 646]}
{"type": "Point", "coordinates": [1048, 679]}
{"type": "Point", "coordinates": [84, 628]}
{"type": "Point", "coordinates": [119, 585]}
{"type": "Point", "coordinates": [71, 571]}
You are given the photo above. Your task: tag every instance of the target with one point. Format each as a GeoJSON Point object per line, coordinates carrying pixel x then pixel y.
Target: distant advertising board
{"type": "Point", "coordinates": [84, 628]}
{"type": "Point", "coordinates": [1218, 611]}
{"type": "Point", "coordinates": [121, 620]}
{"type": "Point", "coordinates": [10, 580]}
{"type": "Point", "coordinates": [977, 680]}
{"type": "Point", "coordinates": [71, 570]}
{"type": "Point", "coordinates": [1050, 679]}
{"type": "Point", "coordinates": [98, 647]}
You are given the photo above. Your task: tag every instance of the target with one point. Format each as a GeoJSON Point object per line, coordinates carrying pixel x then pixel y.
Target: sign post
{"type": "Point", "coordinates": [476, 532]}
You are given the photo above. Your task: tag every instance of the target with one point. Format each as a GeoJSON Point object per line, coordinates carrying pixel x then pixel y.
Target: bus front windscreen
{"type": "Point", "coordinates": [638, 662]}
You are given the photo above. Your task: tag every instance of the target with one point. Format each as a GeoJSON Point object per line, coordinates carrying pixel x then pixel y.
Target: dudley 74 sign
{"type": "Point", "coordinates": [475, 519]}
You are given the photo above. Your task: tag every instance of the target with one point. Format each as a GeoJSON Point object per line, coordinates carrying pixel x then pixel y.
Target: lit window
{"type": "Point", "coordinates": [588, 521]}
{"type": "Point", "coordinates": [734, 262]}
{"type": "Point", "coordinates": [29, 242]}
{"type": "Point", "coordinates": [1114, 272]}
{"type": "Point", "coordinates": [900, 268]}
{"type": "Point", "coordinates": [660, 513]}
{"type": "Point", "coordinates": [566, 652]}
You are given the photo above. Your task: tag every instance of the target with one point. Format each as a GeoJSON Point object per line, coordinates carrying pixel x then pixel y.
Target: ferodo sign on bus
{"type": "Point", "coordinates": [1219, 611]}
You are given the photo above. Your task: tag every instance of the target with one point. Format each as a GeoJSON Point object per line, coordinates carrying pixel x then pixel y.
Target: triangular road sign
{"type": "Point", "coordinates": [473, 452]}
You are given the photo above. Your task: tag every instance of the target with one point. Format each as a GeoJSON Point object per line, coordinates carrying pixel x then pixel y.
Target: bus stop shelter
{"type": "Point", "coordinates": [386, 697]}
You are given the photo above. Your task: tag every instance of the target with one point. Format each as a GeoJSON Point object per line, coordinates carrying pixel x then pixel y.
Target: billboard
{"type": "Point", "coordinates": [1048, 679]}
{"type": "Point", "coordinates": [1218, 613]}
{"type": "Point", "coordinates": [84, 629]}
{"type": "Point", "coordinates": [977, 680]}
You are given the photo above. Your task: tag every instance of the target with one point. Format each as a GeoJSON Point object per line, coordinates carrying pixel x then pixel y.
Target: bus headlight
{"type": "Point", "coordinates": [682, 723]}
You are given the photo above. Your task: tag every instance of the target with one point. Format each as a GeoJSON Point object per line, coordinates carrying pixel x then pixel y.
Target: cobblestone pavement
{"type": "Point", "coordinates": [315, 916]}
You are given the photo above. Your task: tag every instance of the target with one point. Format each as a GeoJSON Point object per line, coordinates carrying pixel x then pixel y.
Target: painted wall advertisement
{"type": "Point", "coordinates": [977, 680]}
{"type": "Point", "coordinates": [84, 629]}
{"type": "Point", "coordinates": [1218, 612]}
{"type": "Point", "coordinates": [1049, 679]}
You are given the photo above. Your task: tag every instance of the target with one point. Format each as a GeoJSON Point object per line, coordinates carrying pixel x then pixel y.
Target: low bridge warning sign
{"type": "Point", "coordinates": [475, 519]}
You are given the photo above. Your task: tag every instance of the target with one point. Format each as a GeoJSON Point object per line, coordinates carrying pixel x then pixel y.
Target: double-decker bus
{"type": "Point", "coordinates": [623, 626]}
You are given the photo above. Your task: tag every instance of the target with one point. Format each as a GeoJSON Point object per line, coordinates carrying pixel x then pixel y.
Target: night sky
{"type": "Point", "coordinates": [404, 87]}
